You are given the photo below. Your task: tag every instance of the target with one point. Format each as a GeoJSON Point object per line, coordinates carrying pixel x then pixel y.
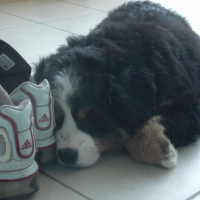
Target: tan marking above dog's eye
{"type": "Point", "coordinates": [82, 113]}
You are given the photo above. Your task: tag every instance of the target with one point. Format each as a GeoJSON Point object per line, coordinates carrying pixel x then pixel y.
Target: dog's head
{"type": "Point", "coordinates": [85, 122]}
{"type": "Point", "coordinates": [96, 101]}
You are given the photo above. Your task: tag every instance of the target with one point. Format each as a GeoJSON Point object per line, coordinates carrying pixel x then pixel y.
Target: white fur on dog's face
{"type": "Point", "coordinates": [69, 136]}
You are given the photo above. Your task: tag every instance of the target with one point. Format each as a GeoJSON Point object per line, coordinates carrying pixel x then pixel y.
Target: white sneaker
{"type": "Point", "coordinates": [43, 112]}
{"type": "Point", "coordinates": [18, 169]}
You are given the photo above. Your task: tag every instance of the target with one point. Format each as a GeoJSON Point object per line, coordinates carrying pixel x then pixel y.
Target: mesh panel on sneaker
{"type": "Point", "coordinates": [2, 145]}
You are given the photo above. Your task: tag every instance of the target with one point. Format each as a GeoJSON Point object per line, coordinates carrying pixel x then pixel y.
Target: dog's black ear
{"type": "Point", "coordinates": [132, 96]}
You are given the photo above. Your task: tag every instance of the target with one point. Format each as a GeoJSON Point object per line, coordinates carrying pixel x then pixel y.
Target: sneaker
{"type": "Point", "coordinates": [43, 112]}
{"type": "Point", "coordinates": [18, 169]}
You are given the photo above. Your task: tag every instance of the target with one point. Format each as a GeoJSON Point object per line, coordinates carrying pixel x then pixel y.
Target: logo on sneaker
{"type": "Point", "coordinates": [26, 145]}
{"type": "Point", "coordinates": [44, 118]}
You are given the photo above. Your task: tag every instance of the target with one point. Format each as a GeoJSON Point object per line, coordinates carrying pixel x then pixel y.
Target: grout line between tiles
{"type": "Point", "coordinates": [12, 2]}
{"type": "Point", "coordinates": [82, 6]}
{"type": "Point", "coordinates": [43, 23]}
{"type": "Point", "coordinates": [71, 17]}
{"type": "Point", "coordinates": [18, 16]}
{"type": "Point", "coordinates": [65, 185]}
{"type": "Point", "coordinates": [1, 29]}
{"type": "Point", "coordinates": [59, 29]}
{"type": "Point", "coordinates": [37, 23]}
{"type": "Point", "coordinates": [193, 196]}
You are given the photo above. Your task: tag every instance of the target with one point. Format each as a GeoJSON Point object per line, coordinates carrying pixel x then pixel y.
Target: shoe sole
{"type": "Point", "coordinates": [46, 154]}
{"type": "Point", "coordinates": [13, 189]}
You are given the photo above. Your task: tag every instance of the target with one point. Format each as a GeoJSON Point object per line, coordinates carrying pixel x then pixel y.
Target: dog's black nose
{"type": "Point", "coordinates": [68, 156]}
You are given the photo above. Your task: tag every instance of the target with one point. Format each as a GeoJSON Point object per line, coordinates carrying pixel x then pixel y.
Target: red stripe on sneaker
{"type": "Point", "coordinates": [46, 147]}
{"type": "Point", "coordinates": [16, 136]}
{"type": "Point", "coordinates": [35, 110]}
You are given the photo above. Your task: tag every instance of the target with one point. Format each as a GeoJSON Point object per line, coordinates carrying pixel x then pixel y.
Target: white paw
{"type": "Point", "coordinates": [172, 159]}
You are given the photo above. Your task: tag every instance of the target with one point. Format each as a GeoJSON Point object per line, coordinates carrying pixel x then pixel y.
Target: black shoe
{"type": "Point", "coordinates": [14, 70]}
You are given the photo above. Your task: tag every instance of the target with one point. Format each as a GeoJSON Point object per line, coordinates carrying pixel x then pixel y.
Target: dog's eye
{"type": "Point", "coordinates": [82, 113]}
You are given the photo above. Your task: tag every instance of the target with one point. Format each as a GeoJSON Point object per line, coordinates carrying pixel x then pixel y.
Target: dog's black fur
{"type": "Point", "coordinates": [141, 61]}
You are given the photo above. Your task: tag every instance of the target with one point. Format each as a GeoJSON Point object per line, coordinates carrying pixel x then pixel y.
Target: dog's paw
{"type": "Point", "coordinates": [150, 145]}
{"type": "Point", "coordinates": [171, 158]}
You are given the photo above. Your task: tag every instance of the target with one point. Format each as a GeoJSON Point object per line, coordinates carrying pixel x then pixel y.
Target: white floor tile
{"type": "Point", "coordinates": [196, 29]}
{"type": "Point", "coordinates": [34, 41]}
{"type": "Point", "coordinates": [79, 25]}
{"type": "Point", "coordinates": [45, 10]}
{"type": "Point", "coordinates": [103, 5]}
{"type": "Point", "coordinates": [51, 190]}
{"type": "Point", "coordinates": [188, 10]}
{"type": "Point", "coordinates": [8, 21]}
{"type": "Point", "coordinates": [117, 177]}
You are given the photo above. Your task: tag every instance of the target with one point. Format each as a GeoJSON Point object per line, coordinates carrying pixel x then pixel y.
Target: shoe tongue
{"type": "Point", "coordinates": [4, 97]}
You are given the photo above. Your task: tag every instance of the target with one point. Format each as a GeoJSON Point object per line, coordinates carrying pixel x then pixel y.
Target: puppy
{"type": "Point", "coordinates": [133, 82]}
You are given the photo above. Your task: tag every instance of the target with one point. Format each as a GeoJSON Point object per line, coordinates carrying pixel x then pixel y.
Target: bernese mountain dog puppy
{"type": "Point", "coordinates": [133, 82]}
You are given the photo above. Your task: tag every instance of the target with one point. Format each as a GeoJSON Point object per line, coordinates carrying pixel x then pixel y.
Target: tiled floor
{"type": "Point", "coordinates": [36, 28]}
